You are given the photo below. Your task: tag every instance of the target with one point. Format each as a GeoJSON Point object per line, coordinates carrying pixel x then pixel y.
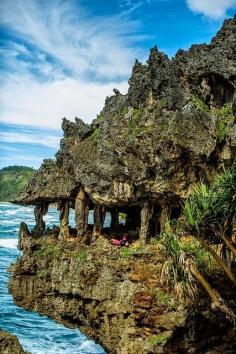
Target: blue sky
{"type": "Point", "coordinates": [62, 58]}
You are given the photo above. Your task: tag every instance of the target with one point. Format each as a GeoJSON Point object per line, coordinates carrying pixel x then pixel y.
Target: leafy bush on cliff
{"type": "Point", "coordinates": [209, 210]}
{"type": "Point", "coordinates": [224, 119]}
{"type": "Point", "coordinates": [12, 181]}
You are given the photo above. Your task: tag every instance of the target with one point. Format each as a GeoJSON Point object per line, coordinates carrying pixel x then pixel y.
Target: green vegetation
{"type": "Point", "coordinates": [13, 179]}
{"type": "Point", "coordinates": [200, 104]}
{"type": "Point", "coordinates": [125, 110]}
{"type": "Point", "coordinates": [209, 209]}
{"type": "Point", "coordinates": [101, 117]}
{"type": "Point", "coordinates": [122, 216]}
{"type": "Point", "coordinates": [41, 273]}
{"type": "Point", "coordinates": [128, 252]}
{"type": "Point", "coordinates": [95, 136]}
{"type": "Point", "coordinates": [135, 127]}
{"type": "Point", "coordinates": [202, 258]}
{"type": "Point", "coordinates": [81, 256]}
{"type": "Point", "coordinates": [135, 119]}
{"type": "Point", "coordinates": [125, 253]}
{"type": "Point", "coordinates": [47, 249]}
{"type": "Point", "coordinates": [224, 119]}
{"type": "Point", "coordinates": [165, 299]}
{"type": "Point", "coordinates": [176, 269]}
{"type": "Point", "coordinates": [159, 339]}
{"type": "Point", "coordinates": [209, 213]}
{"type": "Point", "coordinates": [162, 103]}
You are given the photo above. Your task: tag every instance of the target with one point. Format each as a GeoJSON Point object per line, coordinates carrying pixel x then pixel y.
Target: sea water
{"type": "Point", "coordinates": [37, 334]}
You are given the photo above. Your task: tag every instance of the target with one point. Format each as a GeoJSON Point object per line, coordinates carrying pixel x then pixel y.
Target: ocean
{"type": "Point", "coordinates": [37, 334]}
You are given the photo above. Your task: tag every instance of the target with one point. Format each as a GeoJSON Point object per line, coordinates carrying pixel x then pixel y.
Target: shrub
{"type": "Point", "coordinates": [200, 104]}
{"type": "Point", "coordinates": [47, 249]}
{"type": "Point", "coordinates": [159, 339]}
{"type": "Point", "coordinates": [209, 208]}
{"type": "Point", "coordinates": [41, 273]}
{"type": "Point", "coordinates": [224, 119]}
{"type": "Point", "coordinates": [176, 269]}
{"type": "Point", "coordinates": [125, 253]}
{"type": "Point", "coordinates": [81, 256]}
{"type": "Point", "coordinates": [165, 299]}
{"type": "Point", "coordinates": [101, 117]}
{"type": "Point", "coordinates": [95, 136]}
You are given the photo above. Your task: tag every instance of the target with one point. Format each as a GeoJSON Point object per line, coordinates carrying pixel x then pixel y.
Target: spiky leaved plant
{"type": "Point", "coordinates": [176, 269]}
{"type": "Point", "coordinates": [209, 212]}
{"type": "Point", "coordinates": [183, 268]}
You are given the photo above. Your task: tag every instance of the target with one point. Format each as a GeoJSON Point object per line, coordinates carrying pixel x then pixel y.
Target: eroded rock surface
{"type": "Point", "coordinates": [141, 156]}
{"type": "Point", "coordinates": [9, 344]}
{"type": "Point", "coordinates": [174, 127]}
{"type": "Point", "coordinates": [115, 297]}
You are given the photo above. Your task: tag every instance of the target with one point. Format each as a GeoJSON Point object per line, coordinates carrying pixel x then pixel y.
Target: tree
{"type": "Point", "coordinates": [209, 212]}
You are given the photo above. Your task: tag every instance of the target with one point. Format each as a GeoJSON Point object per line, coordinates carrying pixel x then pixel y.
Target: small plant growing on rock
{"type": "Point", "coordinates": [200, 104]}
{"type": "Point", "coordinates": [95, 136]}
{"type": "Point", "coordinates": [165, 299]}
{"type": "Point", "coordinates": [41, 273]}
{"type": "Point", "coordinates": [224, 119]}
{"type": "Point", "coordinates": [101, 117]}
{"type": "Point", "coordinates": [47, 249]}
{"type": "Point", "coordinates": [159, 339]}
{"type": "Point", "coordinates": [209, 213]}
{"type": "Point", "coordinates": [125, 253]}
{"type": "Point", "coordinates": [176, 269]}
{"type": "Point", "coordinates": [81, 256]}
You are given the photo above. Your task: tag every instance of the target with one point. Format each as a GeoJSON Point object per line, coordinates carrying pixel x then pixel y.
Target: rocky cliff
{"type": "Point", "coordinates": [141, 157]}
{"type": "Point", "coordinates": [116, 297]}
{"type": "Point", "coordinates": [9, 344]}
{"type": "Point", "coordinates": [147, 149]}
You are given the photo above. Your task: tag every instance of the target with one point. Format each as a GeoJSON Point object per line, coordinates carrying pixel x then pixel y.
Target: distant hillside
{"type": "Point", "coordinates": [12, 180]}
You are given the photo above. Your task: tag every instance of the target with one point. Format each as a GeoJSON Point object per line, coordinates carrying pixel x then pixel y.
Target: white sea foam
{"type": "Point", "coordinates": [8, 243]}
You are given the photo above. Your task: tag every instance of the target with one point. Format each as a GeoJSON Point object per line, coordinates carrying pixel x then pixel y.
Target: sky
{"type": "Point", "coordinates": [61, 58]}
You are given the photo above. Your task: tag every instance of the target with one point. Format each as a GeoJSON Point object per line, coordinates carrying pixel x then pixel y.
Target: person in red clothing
{"type": "Point", "coordinates": [122, 242]}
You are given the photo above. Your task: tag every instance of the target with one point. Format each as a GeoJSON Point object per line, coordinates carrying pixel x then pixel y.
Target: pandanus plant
{"type": "Point", "coordinates": [184, 267]}
{"type": "Point", "coordinates": [209, 212]}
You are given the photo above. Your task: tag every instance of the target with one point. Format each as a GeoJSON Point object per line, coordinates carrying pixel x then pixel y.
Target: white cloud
{"type": "Point", "coordinates": [21, 158]}
{"type": "Point", "coordinates": [211, 8]}
{"type": "Point", "coordinates": [99, 46]}
{"type": "Point", "coordinates": [72, 61]}
{"type": "Point", "coordinates": [28, 102]}
{"type": "Point", "coordinates": [48, 140]}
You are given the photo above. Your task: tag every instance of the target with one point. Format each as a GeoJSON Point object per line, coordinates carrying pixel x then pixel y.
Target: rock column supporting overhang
{"type": "Point", "coordinates": [39, 211]}
{"type": "Point", "coordinates": [63, 207]}
{"type": "Point", "coordinates": [81, 212]}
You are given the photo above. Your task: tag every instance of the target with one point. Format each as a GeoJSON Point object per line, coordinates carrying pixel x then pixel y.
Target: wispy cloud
{"type": "Point", "coordinates": [62, 61]}
{"type": "Point", "coordinates": [44, 104]}
{"type": "Point", "coordinates": [86, 45]}
{"type": "Point", "coordinates": [21, 144]}
{"type": "Point", "coordinates": [214, 9]}
{"type": "Point", "coordinates": [48, 140]}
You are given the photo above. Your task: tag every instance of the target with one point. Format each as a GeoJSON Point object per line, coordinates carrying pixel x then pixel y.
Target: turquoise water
{"type": "Point", "coordinates": [37, 334]}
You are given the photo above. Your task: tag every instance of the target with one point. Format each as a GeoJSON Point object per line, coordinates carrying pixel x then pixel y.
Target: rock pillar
{"type": "Point", "coordinates": [163, 218]}
{"type": "Point", "coordinates": [114, 219]}
{"type": "Point", "coordinates": [99, 217]}
{"type": "Point", "coordinates": [146, 214]}
{"type": "Point", "coordinates": [24, 242]}
{"type": "Point", "coordinates": [81, 213]}
{"type": "Point", "coordinates": [63, 207]}
{"type": "Point", "coordinates": [39, 211]}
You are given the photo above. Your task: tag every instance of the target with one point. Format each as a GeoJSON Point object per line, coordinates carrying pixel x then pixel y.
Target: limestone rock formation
{"type": "Point", "coordinates": [174, 127]}
{"type": "Point", "coordinates": [140, 158]}
{"type": "Point", "coordinates": [9, 344]}
{"type": "Point", "coordinates": [115, 297]}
